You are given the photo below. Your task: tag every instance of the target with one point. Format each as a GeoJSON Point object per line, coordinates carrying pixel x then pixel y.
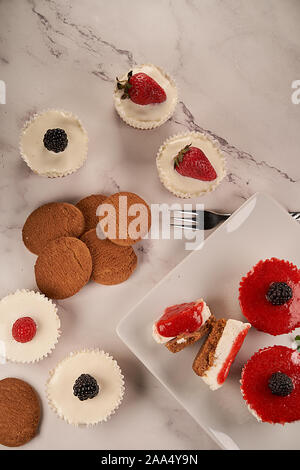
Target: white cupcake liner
{"type": "Point", "coordinates": [54, 173]}
{"type": "Point", "coordinates": [41, 298]}
{"type": "Point", "coordinates": [149, 124]}
{"type": "Point", "coordinates": [111, 412]}
{"type": "Point", "coordinates": [164, 178]}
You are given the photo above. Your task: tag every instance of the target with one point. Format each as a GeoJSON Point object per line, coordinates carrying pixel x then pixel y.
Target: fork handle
{"type": "Point", "coordinates": [295, 215]}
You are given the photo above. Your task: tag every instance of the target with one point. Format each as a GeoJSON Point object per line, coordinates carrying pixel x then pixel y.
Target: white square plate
{"type": "Point", "coordinates": [260, 229]}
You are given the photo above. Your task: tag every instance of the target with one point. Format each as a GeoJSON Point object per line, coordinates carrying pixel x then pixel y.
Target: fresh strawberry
{"type": "Point", "coordinates": [141, 89]}
{"type": "Point", "coordinates": [192, 162]}
{"type": "Point", "coordinates": [24, 329]}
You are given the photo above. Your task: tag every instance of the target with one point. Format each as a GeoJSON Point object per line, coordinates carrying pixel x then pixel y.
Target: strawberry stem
{"type": "Point", "coordinates": [179, 157]}
{"type": "Point", "coordinates": [124, 85]}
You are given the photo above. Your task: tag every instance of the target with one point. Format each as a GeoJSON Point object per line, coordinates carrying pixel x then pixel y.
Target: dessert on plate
{"type": "Point", "coordinates": [54, 143]}
{"type": "Point", "coordinates": [270, 385]}
{"type": "Point", "coordinates": [145, 97]}
{"type": "Point", "coordinates": [19, 412]}
{"type": "Point", "coordinates": [86, 387]}
{"type": "Point", "coordinates": [219, 350]}
{"type": "Point", "coordinates": [190, 164]}
{"type": "Point", "coordinates": [182, 325]}
{"type": "Point", "coordinates": [51, 221]}
{"type": "Point", "coordinates": [30, 326]}
{"type": "Point", "coordinates": [269, 296]}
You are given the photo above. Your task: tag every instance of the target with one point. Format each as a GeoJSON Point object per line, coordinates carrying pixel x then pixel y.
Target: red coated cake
{"type": "Point", "coordinates": [182, 325]}
{"type": "Point", "coordinates": [270, 385]}
{"type": "Point", "coordinates": [270, 296]}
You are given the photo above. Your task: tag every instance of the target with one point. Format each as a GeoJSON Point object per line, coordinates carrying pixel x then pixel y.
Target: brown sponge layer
{"type": "Point", "coordinates": [190, 338]}
{"type": "Point", "coordinates": [206, 355]}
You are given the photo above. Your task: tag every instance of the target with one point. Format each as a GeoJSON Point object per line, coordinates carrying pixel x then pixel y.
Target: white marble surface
{"type": "Point", "coordinates": [234, 62]}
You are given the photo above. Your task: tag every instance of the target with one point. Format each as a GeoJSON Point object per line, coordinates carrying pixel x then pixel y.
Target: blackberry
{"type": "Point", "coordinates": [85, 387]}
{"type": "Point", "coordinates": [280, 384]}
{"type": "Point", "coordinates": [55, 140]}
{"type": "Point", "coordinates": [279, 293]}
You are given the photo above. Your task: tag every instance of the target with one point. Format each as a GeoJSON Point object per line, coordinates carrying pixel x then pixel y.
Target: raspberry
{"type": "Point", "coordinates": [24, 329]}
{"type": "Point", "coordinates": [55, 140]}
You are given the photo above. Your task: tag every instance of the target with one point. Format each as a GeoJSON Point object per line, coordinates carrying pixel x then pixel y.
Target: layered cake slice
{"type": "Point", "coordinates": [182, 325]}
{"type": "Point", "coordinates": [219, 350]}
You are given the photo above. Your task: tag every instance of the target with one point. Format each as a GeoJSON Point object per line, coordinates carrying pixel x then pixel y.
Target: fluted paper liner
{"type": "Point", "coordinates": [37, 297]}
{"type": "Point", "coordinates": [55, 172]}
{"type": "Point", "coordinates": [138, 124]}
{"type": "Point", "coordinates": [113, 409]}
{"type": "Point", "coordinates": [166, 181]}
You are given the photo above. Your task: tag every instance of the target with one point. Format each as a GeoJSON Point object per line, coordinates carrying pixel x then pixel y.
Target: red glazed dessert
{"type": "Point", "coordinates": [270, 296]}
{"type": "Point", "coordinates": [182, 325]}
{"type": "Point", "coordinates": [270, 385]}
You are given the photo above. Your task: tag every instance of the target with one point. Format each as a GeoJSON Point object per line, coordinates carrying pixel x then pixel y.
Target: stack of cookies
{"type": "Point", "coordinates": [74, 243]}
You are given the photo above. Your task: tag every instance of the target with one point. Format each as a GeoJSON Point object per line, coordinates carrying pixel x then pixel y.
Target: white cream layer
{"type": "Point", "coordinates": [156, 113]}
{"type": "Point", "coordinates": [205, 314]}
{"type": "Point", "coordinates": [184, 186]}
{"type": "Point", "coordinates": [108, 375]}
{"type": "Point", "coordinates": [26, 303]}
{"type": "Point", "coordinates": [231, 331]}
{"type": "Point", "coordinates": [45, 162]}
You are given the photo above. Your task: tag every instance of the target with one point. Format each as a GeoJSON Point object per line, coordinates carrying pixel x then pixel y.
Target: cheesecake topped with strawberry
{"type": "Point", "coordinates": [145, 97]}
{"type": "Point", "coordinates": [190, 164]}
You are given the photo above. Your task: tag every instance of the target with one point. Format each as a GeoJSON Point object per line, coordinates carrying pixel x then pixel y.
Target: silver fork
{"type": "Point", "coordinates": [205, 220]}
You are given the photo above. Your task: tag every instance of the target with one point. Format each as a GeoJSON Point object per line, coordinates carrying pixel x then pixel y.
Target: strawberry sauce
{"type": "Point", "coordinates": [255, 376]}
{"type": "Point", "coordinates": [273, 319]}
{"type": "Point", "coordinates": [232, 355]}
{"type": "Point", "coordinates": [182, 318]}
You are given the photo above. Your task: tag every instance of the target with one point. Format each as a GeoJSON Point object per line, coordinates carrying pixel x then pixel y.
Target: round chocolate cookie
{"type": "Point", "coordinates": [88, 206]}
{"type": "Point", "coordinates": [19, 412]}
{"type": "Point", "coordinates": [112, 264]}
{"type": "Point", "coordinates": [51, 221]}
{"type": "Point", "coordinates": [127, 221]}
{"type": "Point", "coordinates": [63, 268]}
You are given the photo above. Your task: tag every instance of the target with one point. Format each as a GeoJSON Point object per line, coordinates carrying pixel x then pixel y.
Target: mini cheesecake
{"type": "Point", "coordinates": [148, 116]}
{"type": "Point", "coordinates": [182, 325]}
{"type": "Point", "coordinates": [219, 350]}
{"type": "Point", "coordinates": [54, 143]}
{"type": "Point", "coordinates": [270, 385]}
{"type": "Point", "coordinates": [175, 152]}
{"type": "Point", "coordinates": [269, 296]}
